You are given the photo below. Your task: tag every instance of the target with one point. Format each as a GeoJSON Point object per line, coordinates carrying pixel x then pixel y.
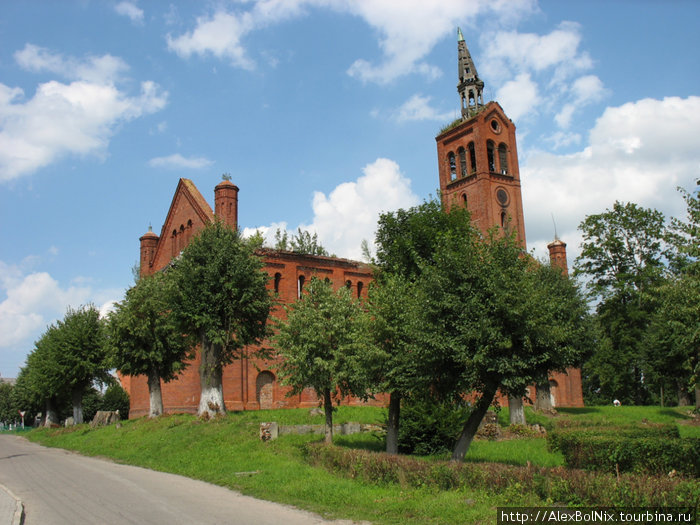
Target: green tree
{"type": "Point", "coordinates": [321, 344]}
{"type": "Point", "coordinates": [684, 235]}
{"type": "Point", "coordinates": [392, 365]}
{"type": "Point", "coordinates": [116, 398]}
{"type": "Point", "coordinates": [144, 336]}
{"type": "Point", "coordinates": [81, 357]}
{"type": "Point", "coordinates": [406, 241]}
{"type": "Point", "coordinates": [7, 408]}
{"type": "Point", "coordinates": [622, 260]}
{"type": "Point", "coordinates": [221, 303]}
{"type": "Point", "coordinates": [672, 342]}
{"type": "Point", "coordinates": [496, 319]}
{"type": "Point", "coordinates": [302, 242]}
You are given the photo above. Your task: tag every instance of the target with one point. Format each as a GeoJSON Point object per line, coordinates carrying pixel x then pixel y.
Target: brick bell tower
{"type": "Point", "coordinates": [478, 157]}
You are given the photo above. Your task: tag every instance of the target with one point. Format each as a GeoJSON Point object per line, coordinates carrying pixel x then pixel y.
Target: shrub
{"type": "Point", "coordinates": [116, 398]}
{"type": "Point", "coordinates": [430, 427]}
{"type": "Point", "coordinates": [654, 451]}
{"type": "Point", "coordinates": [553, 485]}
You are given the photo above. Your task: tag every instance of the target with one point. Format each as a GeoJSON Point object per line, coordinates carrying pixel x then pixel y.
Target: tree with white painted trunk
{"type": "Point", "coordinates": [221, 303]}
{"type": "Point", "coordinates": [143, 338]}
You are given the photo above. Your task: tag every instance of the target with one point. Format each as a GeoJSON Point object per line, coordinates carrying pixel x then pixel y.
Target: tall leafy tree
{"type": "Point", "coordinates": [672, 342]}
{"type": "Point", "coordinates": [406, 242]}
{"type": "Point", "coordinates": [302, 242]}
{"type": "Point", "coordinates": [144, 337]}
{"type": "Point", "coordinates": [497, 320]}
{"type": "Point", "coordinates": [81, 356]}
{"type": "Point", "coordinates": [321, 344]}
{"type": "Point", "coordinates": [622, 260]}
{"type": "Point", "coordinates": [684, 235]}
{"type": "Point", "coordinates": [393, 365]}
{"type": "Point", "coordinates": [221, 303]}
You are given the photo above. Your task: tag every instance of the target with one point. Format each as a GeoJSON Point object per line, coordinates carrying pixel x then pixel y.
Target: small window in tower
{"type": "Point", "coordinates": [490, 155]}
{"type": "Point", "coordinates": [472, 156]}
{"type": "Point", "coordinates": [453, 165]}
{"type": "Point", "coordinates": [495, 126]}
{"type": "Point", "coordinates": [462, 162]}
{"type": "Point", "coordinates": [504, 219]}
{"type": "Point", "coordinates": [503, 158]}
{"type": "Point", "coordinates": [359, 289]}
{"type": "Point", "coordinates": [278, 278]}
{"type": "Point", "coordinates": [464, 199]}
{"type": "Point", "coordinates": [300, 287]}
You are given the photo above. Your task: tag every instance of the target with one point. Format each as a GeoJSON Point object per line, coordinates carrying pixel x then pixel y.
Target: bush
{"type": "Point", "coordinates": [430, 427]}
{"type": "Point", "coordinates": [552, 485]}
{"type": "Point", "coordinates": [654, 450]}
{"type": "Point", "coordinates": [116, 398]}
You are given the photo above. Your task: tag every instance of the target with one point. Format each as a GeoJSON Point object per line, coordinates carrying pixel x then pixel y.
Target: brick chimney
{"type": "Point", "coordinates": [149, 243]}
{"type": "Point", "coordinates": [557, 255]}
{"type": "Point", "coordinates": [226, 203]}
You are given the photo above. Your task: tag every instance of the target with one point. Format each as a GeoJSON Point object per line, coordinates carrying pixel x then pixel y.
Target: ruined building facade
{"type": "Point", "coordinates": [477, 167]}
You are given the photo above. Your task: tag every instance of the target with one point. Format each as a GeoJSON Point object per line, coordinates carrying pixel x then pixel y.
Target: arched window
{"type": "Point", "coordinates": [453, 165]}
{"type": "Point", "coordinates": [462, 162]}
{"type": "Point", "coordinates": [490, 147]}
{"type": "Point", "coordinates": [300, 287]}
{"type": "Point", "coordinates": [348, 284]}
{"type": "Point", "coordinates": [472, 156]}
{"type": "Point", "coordinates": [504, 219]}
{"type": "Point", "coordinates": [174, 244]}
{"type": "Point", "coordinates": [503, 158]}
{"type": "Point", "coordinates": [278, 278]}
{"type": "Point", "coordinates": [464, 199]}
{"type": "Point", "coordinates": [359, 289]}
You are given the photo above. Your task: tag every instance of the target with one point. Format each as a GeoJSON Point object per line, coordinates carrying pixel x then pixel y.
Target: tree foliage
{"type": "Point", "coordinates": [622, 258]}
{"type": "Point", "coordinates": [303, 242]}
{"type": "Point", "coordinates": [144, 336]}
{"type": "Point", "coordinates": [496, 319]}
{"type": "Point", "coordinates": [321, 343]}
{"type": "Point", "coordinates": [684, 235]}
{"type": "Point", "coordinates": [221, 302]}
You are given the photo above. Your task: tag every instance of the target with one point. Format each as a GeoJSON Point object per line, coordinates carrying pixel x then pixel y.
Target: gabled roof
{"type": "Point", "coordinates": [188, 191]}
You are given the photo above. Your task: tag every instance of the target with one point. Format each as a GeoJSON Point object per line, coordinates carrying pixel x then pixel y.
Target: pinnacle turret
{"type": "Point", "coordinates": [470, 87]}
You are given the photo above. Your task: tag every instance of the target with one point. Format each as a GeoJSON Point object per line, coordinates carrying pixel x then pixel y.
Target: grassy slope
{"type": "Point", "coordinates": [227, 452]}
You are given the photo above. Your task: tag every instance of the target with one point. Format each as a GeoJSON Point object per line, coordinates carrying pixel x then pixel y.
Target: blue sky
{"type": "Point", "coordinates": [324, 112]}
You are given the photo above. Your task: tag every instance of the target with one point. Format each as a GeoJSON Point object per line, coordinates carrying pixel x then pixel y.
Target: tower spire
{"type": "Point", "coordinates": [470, 87]}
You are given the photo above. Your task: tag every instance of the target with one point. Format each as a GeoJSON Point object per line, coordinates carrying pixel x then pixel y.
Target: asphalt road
{"type": "Point", "coordinates": [59, 487]}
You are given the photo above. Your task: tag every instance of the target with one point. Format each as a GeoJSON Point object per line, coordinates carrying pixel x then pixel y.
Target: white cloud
{"type": "Point", "coordinates": [418, 108]}
{"type": "Point", "coordinates": [177, 161]}
{"type": "Point", "coordinates": [518, 97]}
{"type": "Point", "coordinates": [130, 10]}
{"type": "Point", "coordinates": [407, 30]}
{"type": "Point", "coordinates": [349, 213]}
{"type": "Point", "coordinates": [638, 152]}
{"type": "Point", "coordinates": [74, 118]}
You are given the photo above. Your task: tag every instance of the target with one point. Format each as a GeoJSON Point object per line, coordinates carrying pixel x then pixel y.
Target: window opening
{"type": "Point", "coordinates": [453, 165]}
{"type": "Point", "coordinates": [462, 162]}
{"type": "Point", "coordinates": [503, 158]}
{"type": "Point", "coordinates": [359, 289]}
{"type": "Point", "coordinates": [278, 278]}
{"type": "Point", "coordinates": [300, 287]}
{"type": "Point", "coordinates": [490, 156]}
{"type": "Point", "coordinates": [472, 156]}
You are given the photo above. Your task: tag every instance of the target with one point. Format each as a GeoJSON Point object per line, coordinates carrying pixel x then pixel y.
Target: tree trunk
{"type": "Point", "coordinates": [77, 395]}
{"type": "Point", "coordinates": [662, 395]}
{"type": "Point", "coordinates": [328, 409]}
{"type": "Point", "coordinates": [472, 424]}
{"type": "Point", "coordinates": [155, 395]}
{"type": "Point", "coordinates": [392, 427]}
{"type": "Point", "coordinates": [517, 410]}
{"type": "Point", "coordinates": [683, 395]}
{"type": "Point", "coordinates": [543, 398]}
{"type": "Point", "coordinates": [211, 400]}
{"type": "Point", "coordinates": [697, 396]}
{"type": "Point", "coordinates": [51, 419]}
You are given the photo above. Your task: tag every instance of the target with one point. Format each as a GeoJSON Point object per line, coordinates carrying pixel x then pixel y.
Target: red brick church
{"type": "Point", "coordinates": [478, 168]}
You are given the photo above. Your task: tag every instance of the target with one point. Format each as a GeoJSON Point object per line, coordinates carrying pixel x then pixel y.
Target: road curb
{"type": "Point", "coordinates": [18, 516]}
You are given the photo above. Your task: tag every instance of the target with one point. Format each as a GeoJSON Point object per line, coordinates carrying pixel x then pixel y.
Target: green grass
{"type": "Point", "coordinates": [227, 452]}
